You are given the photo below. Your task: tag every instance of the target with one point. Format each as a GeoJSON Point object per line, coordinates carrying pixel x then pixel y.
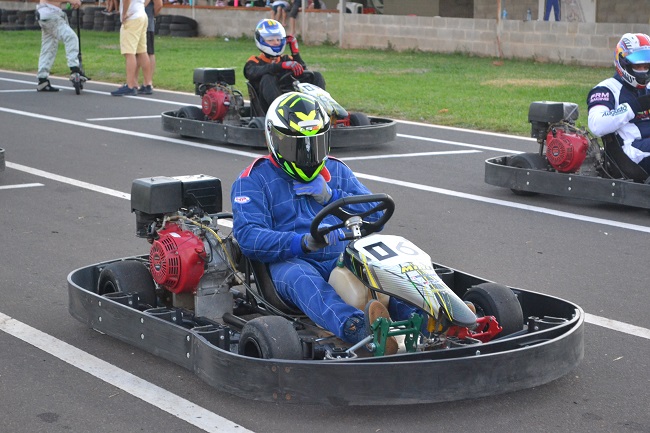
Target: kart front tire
{"type": "Point", "coordinates": [270, 337]}
{"type": "Point", "coordinates": [359, 119]}
{"type": "Point", "coordinates": [128, 276]}
{"type": "Point", "coordinates": [190, 112]}
{"type": "Point", "coordinates": [492, 299]}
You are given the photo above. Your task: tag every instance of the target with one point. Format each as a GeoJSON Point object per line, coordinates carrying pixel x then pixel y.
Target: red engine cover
{"type": "Point", "coordinates": [176, 259]}
{"type": "Point", "coordinates": [215, 104]}
{"type": "Point", "coordinates": [566, 151]}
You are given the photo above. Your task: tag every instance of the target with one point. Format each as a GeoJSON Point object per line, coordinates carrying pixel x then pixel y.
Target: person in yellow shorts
{"type": "Point", "coordinates": [133, 44]}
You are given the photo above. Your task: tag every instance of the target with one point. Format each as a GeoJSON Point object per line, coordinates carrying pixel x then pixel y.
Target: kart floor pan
{"type": "Point", "coordinates": [471, 371]}
{"type": "Point", "coordinates": [625, 192]}
{"type": "Point", "coordinates": [380, 131]}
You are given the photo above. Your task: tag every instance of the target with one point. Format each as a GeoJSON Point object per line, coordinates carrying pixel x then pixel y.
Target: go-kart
{"type": "Point", "coordinates": [226, 118]}
{"type": "Point", "coordinates": [196, 301]}
{"type": "Point", "coordinates": [570, 162]}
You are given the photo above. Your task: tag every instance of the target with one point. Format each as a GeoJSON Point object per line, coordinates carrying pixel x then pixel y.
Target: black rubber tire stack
{"type": "Point", "coordinates": [29, 20]}
{"type": "Point", "coordinates": [9, 18]}
{"type": "Point", "coordinates": [88, 17]}
{"type": "Point", "coordinates": [98, 22]}
{"type": "Point", "coordinates": [111, 22]}
{"type": "Point", "coordinates": [163, 27]}
{"type": "Point", "coordinates": [183, 27]}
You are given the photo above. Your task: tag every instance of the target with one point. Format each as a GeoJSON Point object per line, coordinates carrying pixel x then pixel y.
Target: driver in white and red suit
{"type": "Point", "coordinates": [274, 201]}
{"type": "Point", "coordinates": [264, 70]}
{"type": "Point", "coordinates": [620, 104]}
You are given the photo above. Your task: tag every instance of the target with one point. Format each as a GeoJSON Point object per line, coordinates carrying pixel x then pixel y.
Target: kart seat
{"type": "Point", "coordinates": [256, 103]}
{"type": "Point", "coordinates": [617, 159]}
{"type": "Point", "coordinates": [266, 288]}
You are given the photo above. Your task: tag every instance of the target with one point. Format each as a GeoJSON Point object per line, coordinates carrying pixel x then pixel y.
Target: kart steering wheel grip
{"type": "Point", "coordinates": [384, 203]}
{"type": "Point", "coordinates": [287, 79]}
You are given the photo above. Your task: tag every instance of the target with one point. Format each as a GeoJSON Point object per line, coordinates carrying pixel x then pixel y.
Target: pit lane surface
{"type": "Point", "coordinates": [70, 163]}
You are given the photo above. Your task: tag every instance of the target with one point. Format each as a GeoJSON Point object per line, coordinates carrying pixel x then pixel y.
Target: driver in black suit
{"type": "Point", "coordinates": [265, 70]}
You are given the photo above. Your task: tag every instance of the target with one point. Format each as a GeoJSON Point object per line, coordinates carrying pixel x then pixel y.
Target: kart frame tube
{"type": "Point", "coordinates": [625, 192]}
{"type": "Point", "coordinates": [510, 364]}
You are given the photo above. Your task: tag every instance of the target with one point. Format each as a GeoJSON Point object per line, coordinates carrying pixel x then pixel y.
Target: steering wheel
{"type": "Point", "coordinates": [384, 202]}
{"type": "Point", "coordinates": [286, 80]}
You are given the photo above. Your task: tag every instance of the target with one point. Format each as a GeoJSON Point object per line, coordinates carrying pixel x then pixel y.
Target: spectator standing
{"type": "Point", "coordinates": [152, 8]}
{"type": "Point", "coordinates": [315, 4]}
{"type": "Point", "coordinates": [54, 29]}
{"type": "Point", "coordinates": [112, 7]}
{"type": "Point", "coordinates": [555, 5]}
{"type": "Point", "coordinates": [293, 14]}
{"type": "Point", "coordinates": [133, 44]}
{"type": "Point", "coordinates": [279, 8]}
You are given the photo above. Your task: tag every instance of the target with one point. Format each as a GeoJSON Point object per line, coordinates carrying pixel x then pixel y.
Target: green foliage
{"type": "Point", "coordinates": [447, 89]}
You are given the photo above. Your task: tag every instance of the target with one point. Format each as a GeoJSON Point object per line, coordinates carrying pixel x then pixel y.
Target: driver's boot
{"type": "Point", "coordinates": [375, 310]}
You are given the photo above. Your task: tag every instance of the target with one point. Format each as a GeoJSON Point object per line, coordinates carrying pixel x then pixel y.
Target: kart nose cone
{"type": "Point", "coordinates": [461, 314]}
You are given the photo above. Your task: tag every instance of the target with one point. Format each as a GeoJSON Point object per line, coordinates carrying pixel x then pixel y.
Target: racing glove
{"type": "Point", "coordinates": [317, 188]}
{"type": "Point", "coordinates": [293, 44]}
{"type": "Point", "coordinates": [309, 244]}
{"type": "Point", "coordinates": [295, 67]}
{"type": "Point", "coordinates": [640, 104]}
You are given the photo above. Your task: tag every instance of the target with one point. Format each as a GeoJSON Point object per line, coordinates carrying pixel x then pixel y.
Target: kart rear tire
{"type": "Point", "coordinates": [492, 299]}
{"type": "Point", "coordinates": [190, 112]}
{"type": "Point", "coordinates": [359, 119]}
{"type": "Point", "coordinates": [270, 337]}
{"type": "Point", "coordinates": [128, 276]}
{"type": "Point", "coordinates": [256, 123]}
{"type": "Point", "coordinates": [527, 160]}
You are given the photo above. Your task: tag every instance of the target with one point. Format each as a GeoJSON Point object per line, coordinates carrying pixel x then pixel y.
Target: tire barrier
{"type": "Point", "coordinates": [92, 18]}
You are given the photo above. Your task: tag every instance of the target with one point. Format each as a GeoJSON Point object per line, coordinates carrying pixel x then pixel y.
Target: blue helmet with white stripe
{"type": "Point", "coordinates": [270, 37]}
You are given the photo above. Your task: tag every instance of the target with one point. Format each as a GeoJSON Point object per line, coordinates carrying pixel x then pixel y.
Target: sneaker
{"type": "Point", "coordinates": [45, 86]}
{"type": "Point", "coordinates": [145, 90]}
{"type": "Point", "coordinates": [375, 310]}
{"type": "Point", "coordinates": [125, 90]}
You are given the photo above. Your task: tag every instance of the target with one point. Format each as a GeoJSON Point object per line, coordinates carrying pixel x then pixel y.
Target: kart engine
{"type": "Point", "coordinates": [188, 258]}
{"type": "Point", "coordinates": [566, 151]}
{"type": "Point", "coordinates": [553, 125]}
{"type": "Point", "coordinates": [219, 100]}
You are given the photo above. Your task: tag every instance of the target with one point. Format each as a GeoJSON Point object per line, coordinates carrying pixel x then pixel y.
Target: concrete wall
{"type": "Point", "coordinates": [563, 42]}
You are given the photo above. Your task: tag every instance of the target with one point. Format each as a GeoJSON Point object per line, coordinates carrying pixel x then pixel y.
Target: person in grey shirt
{"type": "Point", "coordinates": [55, 28]}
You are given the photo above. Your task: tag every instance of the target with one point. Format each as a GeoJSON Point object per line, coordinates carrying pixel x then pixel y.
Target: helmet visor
{"type": "Point", "coordinates": [302, 151]}
{"type": "Point", "coordinates": [639, 56]}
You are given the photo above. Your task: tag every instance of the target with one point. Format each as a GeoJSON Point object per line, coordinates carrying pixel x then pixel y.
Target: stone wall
{"type": "Point", "coordinates": [589, 44]}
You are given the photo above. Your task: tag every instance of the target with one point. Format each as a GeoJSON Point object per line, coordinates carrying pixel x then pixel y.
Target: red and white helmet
{"type": "Point", "coordinates": [633, 49]}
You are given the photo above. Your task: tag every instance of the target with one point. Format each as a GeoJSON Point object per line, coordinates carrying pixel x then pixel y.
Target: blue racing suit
{"type": "Point", "coordinates": [269, 221]}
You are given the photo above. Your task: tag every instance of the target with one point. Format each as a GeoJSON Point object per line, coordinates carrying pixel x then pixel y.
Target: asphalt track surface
{"type": "Point", "coordinates": [64, 204]}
